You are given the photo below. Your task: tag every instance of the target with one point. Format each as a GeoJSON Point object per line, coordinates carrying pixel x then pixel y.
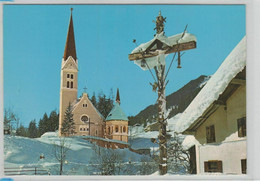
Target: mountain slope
{"type": "Point", "coordinates": [176, 102]}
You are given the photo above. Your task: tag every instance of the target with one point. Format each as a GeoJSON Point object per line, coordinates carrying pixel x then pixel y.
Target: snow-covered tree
{"type": "Point", "coordinates": [178, 156]}
{"type": "Point", "coordinates": [68, 125]}
{"type": "Point", "coordinates": [107, 161]}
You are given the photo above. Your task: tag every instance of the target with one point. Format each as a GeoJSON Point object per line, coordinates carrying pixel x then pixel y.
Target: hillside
{"type": "Point", "coordinates": [176, 102]}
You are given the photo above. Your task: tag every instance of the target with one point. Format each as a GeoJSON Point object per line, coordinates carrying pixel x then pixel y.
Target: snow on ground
{"type": "Point", "coordinates": [26, 152]}
{"type": "Point", "coordinates": [232, 65]}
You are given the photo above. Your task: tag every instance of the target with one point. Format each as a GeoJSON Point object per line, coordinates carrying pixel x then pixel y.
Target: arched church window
{"type": "Point", "coordinates": [68, 84]}
{"type": "Point", "coordinates": [71, 85]}
{"type": "Point", "coordinates": [68, 75]}
{"type": "Point", "coordinates": [71, 76]}
{"type": "Point", "coordinates": [108, 130]}
{"type": "Point", "coordinates": [96, 132]}
{"type": "Point", "coordinates": [124, 129]}
{"type": "Point", "coordinates": [116, 129]}
{"type": "Point", "coordinates": [84, 119]}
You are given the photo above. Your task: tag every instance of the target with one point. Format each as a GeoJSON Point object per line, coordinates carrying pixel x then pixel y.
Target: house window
{"type": "Point", "coordinates": [68, 75]}
{"type": "Point", "coordinates": [84, 119]}
{"type": "Point", "coordinates": [243, 166]}
{"type": "Point", "coordinates": [68, 84]}
{"type": "Point", "coordinates": [71, 76]}
{"type": "Point", "coordinates": [80, 129]}
{"type": "Point", "coordinates": [71, 85]}
{"type": "Point", "coordinates": [116, 129]}
{"type": "Point", "coordinates": [213, 166]}
{"type": "Point", "coordinates": [210, 134]}
{"type": "Point", "coordinates": [241, 126]}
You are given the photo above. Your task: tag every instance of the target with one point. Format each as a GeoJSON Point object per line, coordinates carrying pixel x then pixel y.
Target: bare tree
{"type": "Point", "coordinates": [11, 120]}
{"type": "Point", "coordinates": [60, 149]}
{"type": "Point", "coordinates": [178, 156]}
{"type": "Point", "coordinates": [107, 161]}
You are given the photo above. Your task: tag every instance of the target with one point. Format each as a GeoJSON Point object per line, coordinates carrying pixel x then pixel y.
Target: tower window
{"type": "Point", "coordinates": [71, 76]}
{"type": "Point", "coordinates": [68, 84]}
{"type": "Point", "coordinates": [71, 85]}
{"type": "Point", "coordinates": [68, 75]}
{"type": "Point", "coordinates": [116, 129]}
{"type": "Point", "coordinates": [84, 105]}
{"type": "Point", "coordinates": [124, 129]}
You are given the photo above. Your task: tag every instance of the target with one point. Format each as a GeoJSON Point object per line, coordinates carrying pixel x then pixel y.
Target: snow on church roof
{"type": "Point", "coordinates": [168, 41]}
{"type": "Point", "coordinates": [116, 113]}
{"type": "Point", "coordinates": [232, 65]}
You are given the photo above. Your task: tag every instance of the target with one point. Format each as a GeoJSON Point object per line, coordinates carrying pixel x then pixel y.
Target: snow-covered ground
{"type": "Point", "coordinates": [26, 152]}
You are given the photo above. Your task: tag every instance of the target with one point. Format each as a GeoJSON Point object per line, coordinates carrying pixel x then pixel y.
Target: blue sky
{"type": "Point", "coordinates": [34, 41]}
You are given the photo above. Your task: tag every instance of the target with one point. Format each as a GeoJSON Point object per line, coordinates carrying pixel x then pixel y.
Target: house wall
{"type": "Point", "coordinates": [229, 148]}
{"type": "Point", "coordinates": [120, 135]}
{"type": "Point", "coordinates": [95, 119]}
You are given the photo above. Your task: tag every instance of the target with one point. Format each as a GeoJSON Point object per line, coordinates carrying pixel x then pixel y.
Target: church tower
{"type": "Point", "coordinates": [69, 74]}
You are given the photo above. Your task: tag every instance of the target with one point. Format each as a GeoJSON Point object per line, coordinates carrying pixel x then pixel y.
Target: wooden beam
{"type": "Point", "coordinates": [238, 81]}
{"type": "Point", "coordinates": [152, 53]}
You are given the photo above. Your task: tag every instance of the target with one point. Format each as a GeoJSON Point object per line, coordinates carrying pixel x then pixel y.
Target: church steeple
{"type": "Point", "coordinates": [117, 96]}
{"type": "Point", "coordinates": [70, 47]}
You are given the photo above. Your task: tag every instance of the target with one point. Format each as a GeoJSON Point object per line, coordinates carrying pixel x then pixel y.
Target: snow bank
{"type": "Point", "coordinates": [232, 65]}
{"type": "Point", "coordinates": [189, 141]}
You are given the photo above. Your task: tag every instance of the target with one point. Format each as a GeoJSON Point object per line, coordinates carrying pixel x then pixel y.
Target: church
{"type": "Point", "coordinates": [87, 119]}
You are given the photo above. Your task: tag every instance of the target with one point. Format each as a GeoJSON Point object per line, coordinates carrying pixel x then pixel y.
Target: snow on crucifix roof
{"type": "Point", "coordinates": [232, 65]}
{"type": "Point", "coordinates": [166, 43]}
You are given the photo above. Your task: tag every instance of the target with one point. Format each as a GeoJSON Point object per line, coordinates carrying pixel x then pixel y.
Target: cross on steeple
{"type": "Point", "coordinates": [85, 89]}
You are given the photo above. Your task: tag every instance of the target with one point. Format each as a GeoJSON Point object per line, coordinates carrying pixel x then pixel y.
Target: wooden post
{"type": "Point", "coordinates": [160, 73]}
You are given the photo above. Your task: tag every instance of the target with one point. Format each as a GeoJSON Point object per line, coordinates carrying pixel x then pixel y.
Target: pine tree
{"type": "Point", "coordinates": [32, 130]}
{"type": "Point", "coordinates": [68, 125]}
{"type": "Point", "coordinates": [53, 121]}
{"type": "Point", "coordinates": [94, 100]}
{"type": "Point", "coordinates": [22, 131]}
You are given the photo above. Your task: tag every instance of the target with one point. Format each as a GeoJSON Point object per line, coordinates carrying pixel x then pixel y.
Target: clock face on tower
{"type": "Point", "coordinates": [85, 119]}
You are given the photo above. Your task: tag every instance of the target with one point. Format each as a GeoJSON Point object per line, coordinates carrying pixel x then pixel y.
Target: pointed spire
{"type": "Point", "coordinates": [70, 47]}
{"type": "Point", "coordinates": [117, 96]}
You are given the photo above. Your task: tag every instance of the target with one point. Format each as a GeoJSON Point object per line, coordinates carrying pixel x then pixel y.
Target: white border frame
{"type": "Point", "coordinates": [253, 90]}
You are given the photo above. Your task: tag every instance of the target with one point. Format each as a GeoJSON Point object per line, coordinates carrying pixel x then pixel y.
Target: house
{"type": "Point", "coordinates": [217, 118]}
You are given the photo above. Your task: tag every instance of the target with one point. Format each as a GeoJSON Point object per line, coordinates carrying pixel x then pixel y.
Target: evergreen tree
{"type": "Point", "coordinates": [104, 105]}
{"type": "Point", "coordinates": [53, 121]}
{"type": "Point", "coordinates": [22, 131]}
{"type": "Point", "coordinates": [68, 125]}
{"type": "Point", "coordinates": [94, 100]}
{"type": "Point", "coordinates": [32, 130]}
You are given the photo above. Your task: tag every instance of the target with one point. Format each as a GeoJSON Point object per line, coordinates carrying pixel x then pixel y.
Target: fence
{"type": "Point", "coordinates": [25, 171]}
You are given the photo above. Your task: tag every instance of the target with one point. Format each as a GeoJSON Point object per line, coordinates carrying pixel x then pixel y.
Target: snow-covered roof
{"type": "Point", "coordinates": [116, 113]}
{"type": "Point", "coordinates": [167, 42]}
{"type": "Point", "coordinates": [232, 65]}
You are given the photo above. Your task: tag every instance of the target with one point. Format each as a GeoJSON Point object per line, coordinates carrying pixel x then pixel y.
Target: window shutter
{"type": "Point", "coordinates": [244, 126]}
{"type": "Point", "coordinates": [220, 169]}
{"type": "Point", "coordinates": [206, 167]}
{"type": "Point", "coordinates": [207, 134]}
{"type": "Point", "coordinates": [212, 131]}
{"type": "Point", "coordinates": [239, 127]}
